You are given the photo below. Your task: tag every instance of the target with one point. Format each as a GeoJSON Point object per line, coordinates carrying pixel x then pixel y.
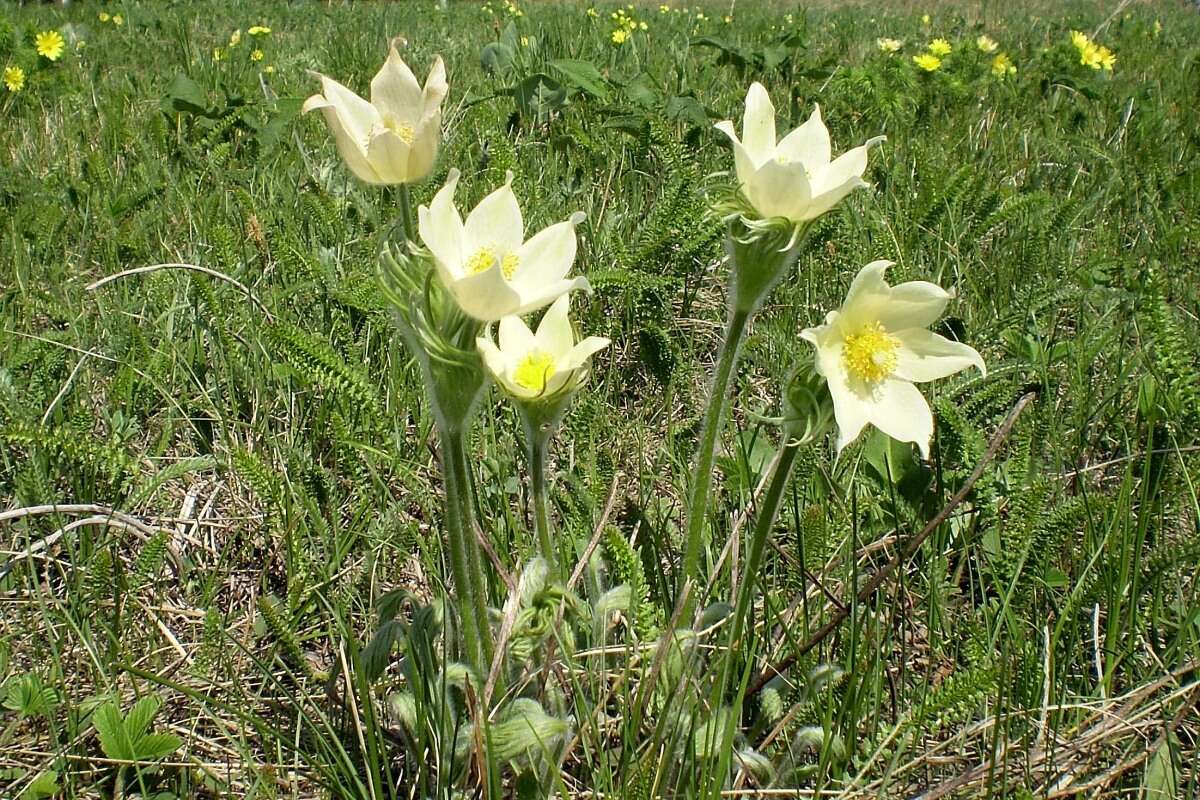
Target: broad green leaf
{"type": "Point", "coordinates": [582, 75]}
{"type": "Point", "coordinates": [184, 96]}
{"type": "Point", "coordinates": [138, 720]}
{"type": "Point", "coordinates": [1161, 781]}
{"type": "Point", "coordinates": [157, 745]}
{"type": "Point", "coordinates": [44, 785]}
{"type": "Point", "coordinates": [110, 727]}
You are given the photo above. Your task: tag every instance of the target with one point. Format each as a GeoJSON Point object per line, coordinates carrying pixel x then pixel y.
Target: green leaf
{"type": "Point", "coordinates": [1161, 781]}
{"type": "Point", "coordinates": [138, 720]}
{"type": "Point", "coordinates": [496, 58]}
{"type": "Point", "coordinates": [157, 745]}
{"type": "Point", "coordinates": [539, 95]}
{"type": "Point", "coordinates": [286, 110]}
{"type": "Point", "coordinates": [184, 96]}
{"type": "Point", "coordinates": [110, 727]}
{"type": "Point", "coordinates": [687, 109]}
{"type": "Point", "coordinates": [581, 75]}
{"type": "Point", "coordinates": [44, 785]}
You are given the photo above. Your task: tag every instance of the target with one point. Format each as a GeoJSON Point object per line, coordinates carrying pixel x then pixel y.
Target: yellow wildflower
{"type": "Point", "coordinates": [1157, 28]}
{"type": "Point", "coordinates": [643, 26]}
{"type": "Point", "coordinates": [524, 41]}
{"type": "Point", "coordinates": [986, 44]}
{"type": "Point", "coordinates": [1002, 66]}
{"type": "Point", "coordinates": [924, 19]}
{"type": "Point", "coordinates": [235, 38]}
{"type": "Point", "coordinates": [104, 16]}
{"type": "Point", "coordinates": [118, 20]}
{"type": "Point", "coordinates": [940, 47]}
{"type": "Point", "coordinates": [1080, 40]}
{"type": "Point", "coordinates": [258, 30]}
{"type": "Point", "coordinates": [593, 13]}
{"type": "Point", "coordinates": [256, 55]}
{"type": "Point", "coordinates": [14, 79]}
{"type": "Point", "coordinates": [927, 61]}
{"type": "Point", "coordinates": [620, 36]}
{"type": "Point", "coordinates": [664, 9]}
{"type": "Point", "coordinates": [269, 69]}
{"type": "Point", "coordinates": [1108, 59]}
{"type": "Point", "coordinates": [217, 54]}
{"type": "Point", "coordinates": [728, 19]}
{"type": "Point", "coordinates": [50, 45]}
{"type": "Point", "coordinates": [887, 45]}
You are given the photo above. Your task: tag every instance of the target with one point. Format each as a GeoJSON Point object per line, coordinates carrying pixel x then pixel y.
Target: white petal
{"type": "Point", "coordinates": [486, 296]}
{"type": "Point", "coordinates": [493, 359]}
{"type": "Point", "coordinates": [441, 227]}
{"type": "Point", "coordinates": [496, 223]}
{"type": "Point", "coordinates": [809, 144]}
{"type": "Point", "coordinates": [758, 125]}
{"type": "Point", "coordinates": [436, 87]}
{"type": "Point", "coordinates": [824, 202]}
{"type": "Point", "coordinates": [850, 164]}
{"type": "Point", "coordinates": [851, 407]}
{"type": "Point", "coordinates": [349, 148]}
{"type": "Point", "coordinates": [547, 257]}
{"type": "Point", "coordinates": [357, 116]}
{"type": "Point", "coordinates": [554, 334]}
{"type": "Point", "coordinates": [926, 356]}
{"type": "Point", "coordinates": [423, 152]}
{"type": "Point", "coordinates": [516, 340]}
{"type": "Point", "coordinates": [388, 154]}
{"type": "Point", "coordinates": [743, 164]}
{"type": "Point", "coordinates": [780, 190]}
{"type": "Point", "coordinates": [868, 293]}
{"type": "Point", "coordinates": [544, 295]}
{"type": "Point", "coordinates": [900, 411]}
{"type": "Point", "coordinates": [580, 353]}
{"type": "Point", "coordinates": [915, 304]}
{"type": "Point", "coordinates": [395, 91]}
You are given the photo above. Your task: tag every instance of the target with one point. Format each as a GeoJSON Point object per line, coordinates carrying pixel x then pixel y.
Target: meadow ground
{"type": "Point", "coordinates": [214, 481]}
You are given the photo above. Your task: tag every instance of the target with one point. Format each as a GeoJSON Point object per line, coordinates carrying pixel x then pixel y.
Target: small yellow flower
{"type": "Point", "coordinates": [664, 9]}
{"type": "Point", "coordinates": [1002, 66]}
{"type": "Point", "coordinates": [524, 41]}
{"type": "Point", "coordinates": [887, 45]}
{"type": "Point", "coordinates": [1157, 28]}
{"type": "Point", "coordinates": [269, 69]}
{"type": "Point", "coordinates": [1108, 59]}
{"type": "Point", "coordinates": [50, 45]}
{"type": "Point", "coordinates": [235, 38]}
{"type": "Point", "coordinates": [620, 36]}
{"type": "Point", "coordinates": [728, 19]}
{"type": "Point", "coordinates": [256, 55]}
{"type": "Point", "coordinates": [986, 44]}
{"type": "Point", "coordinates": [940, 47]}
{"type": "Point", "coordinates": [593, 13]}
{"type": "Point", "coordinates": [14, 79]}
{"type": "Point", "coordinates": [258, 30]}
{"type": "Point", "coordinates": [105, 16]}
{"type": "Point", "coordinates": [217, 54]}
{"type": "Point", "coordinates": [80, 45]}
{"type": "Point", "coordinates": [643, 26]}
{"type": "Point", "coordinates": [1080, 40]}
{"type": "Point", "coordinates": [925, 19]}
{"type": "Point", "coordinates": [927, 61]}
{"type": "Point", "coordinates": [118, 20]}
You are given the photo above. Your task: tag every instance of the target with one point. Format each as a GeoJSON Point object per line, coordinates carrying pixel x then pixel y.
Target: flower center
{"type": "Point", "coordinates": [401, 129]}
{"type": "Point", "coordinates": [534, 370]}
{"type": "Point", "coordinates": [870, 354]}
{"type": "Point", "coordinates": [485, 257]}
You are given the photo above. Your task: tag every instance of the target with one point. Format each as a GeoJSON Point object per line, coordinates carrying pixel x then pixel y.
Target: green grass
{"type": "Point", "coordinates": [247, 474]}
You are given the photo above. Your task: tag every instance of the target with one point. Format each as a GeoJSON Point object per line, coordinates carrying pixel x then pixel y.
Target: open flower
{"type": "Point", "coordinates": [487, 264]}
{"type": "Point", "coordinates": [794, 177]}
{"type": "Point", "coordinates": [888, 45]}
{"type": "Point", "coordinates": [940, 47]}
{"type": "Point", "coordinates": [542, 365]}
{"type": "Point", "coordinates": [876, 346]}
{"type": "Point", "coordinates": [927, 61]}
{"type": "Point", "coordinates": [394, 138]}
{"type": "Point", "coordinates": [1003, 67]}
{"type": "Point", "coordinates": [14, 79]}
{"type": "Point", "coordinates": [986, 44]}
{"type": "Point", "coordinates": [50, 45]}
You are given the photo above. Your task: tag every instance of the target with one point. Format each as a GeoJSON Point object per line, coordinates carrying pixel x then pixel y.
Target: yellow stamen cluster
{"type": "Point", "coordinates": [401, 129]}
{"type": "Point", "coordinates": [485, 257]}
{"type": "Point", "coordinates": [870, 354]}
{"type": "Point", "coordinates": [534, 370]}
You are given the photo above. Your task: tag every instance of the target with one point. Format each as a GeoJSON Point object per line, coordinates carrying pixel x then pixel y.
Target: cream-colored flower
{"type": "Point", "coordinates": [531, 365]}
{"type": "Point", "coordinates": [876, 346]}
{"type": "Point", "coordinates": [986, 44]}
{"type": "Point", "coordinates": [888, 45]}
{"type": "Point", "coordinates": [796, 176]}
{"type": "Point", "coordinates": [485, 262]}
{"type": "Point", "coordinates": [395, 137]}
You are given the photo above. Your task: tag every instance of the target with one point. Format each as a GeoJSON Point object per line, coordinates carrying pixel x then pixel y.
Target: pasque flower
{"type": "Point", "coordinates": [393, 138]}
{"type": "Point", "coordinates": [486, 263]}
{"type": "Point", "coordinates": [986, 44]}
{"type": "Point", "coordinates": [542, 365]}
{"type": "Point", "coordinates": [876, 346]}
{"type": "Point", "coordinates": [796, 176]}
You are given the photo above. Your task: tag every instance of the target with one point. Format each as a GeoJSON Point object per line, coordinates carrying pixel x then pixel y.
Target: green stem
{"type": "Point", "coordinates": [406, 215]}
{"type": "Point", "coordinates": [714, 418]}
{"type": "Point", "coordinates": [465, 562]}
{"type": "Point", "coordinates": [539, 498]}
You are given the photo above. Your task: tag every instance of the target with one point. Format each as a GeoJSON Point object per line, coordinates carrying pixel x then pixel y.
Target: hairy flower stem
{"type": "Point", "coordinates": [714, 418]}
{"type": "Point", "coordinates": [406, 214]}
{"type": "Point", "coordinates": [541, 419]}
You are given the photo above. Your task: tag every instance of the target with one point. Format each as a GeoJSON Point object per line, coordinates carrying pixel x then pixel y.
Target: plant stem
{"type": "Point", "coordinates": [464, 552]}
{"type": "Point", "coordinates": [406, 215]}
{"type": "Point", "coordinates": [539, 497]}
{"type": "Point", "coordinates": [714, 417]}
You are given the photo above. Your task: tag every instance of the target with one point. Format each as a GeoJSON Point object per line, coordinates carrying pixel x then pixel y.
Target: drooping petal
{"type": "Point", "coordinates": [926, 356]}
{"type": "Point", "coordinates": [496, 222]}
{"type": "Point", "coordinates": [850, 164]}
{"type": "Point", "coordinates": [554, 334]}
{"type": "Point", "coordinates": [395, 91]}
{"type": "Point", "coordinates": [758, 125]}
{"type": "Point", "coordinates": [436, 87]}
{"type": "Point", "coordinates": [357, 116]}
{"type": "Point", "coordinates": [580, 353]}
{"type": "Point", "coordinates": [901, 411]}
{"type": "Point", "coordinates": [780, 190]}
{"type": "Point", "coordinates": [388, 154]}
{"type": "Point", "coordinates": [515, 339]}
{"type": "Point", "coordinates": [547, 257]}
{"type": "Point", "coordinates": [547, 294]}
{"type": "Point", "coordinates": [350, 149]}
{"type": "Point", "coordinates": [743, 164]}
{"type": "Point", "coordinates": [441, 227]}
{"type": "Point", "coordinates": [422, 154]}
{"type": "Point", "coordinates": [486, 296]}
{"type": "Point", "coordinates": [808, 144]}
